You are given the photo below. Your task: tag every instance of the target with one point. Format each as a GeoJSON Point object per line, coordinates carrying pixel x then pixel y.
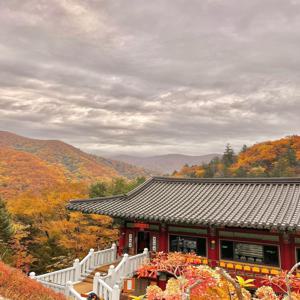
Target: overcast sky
{"type": "Point", "coordinates": [149, 76]}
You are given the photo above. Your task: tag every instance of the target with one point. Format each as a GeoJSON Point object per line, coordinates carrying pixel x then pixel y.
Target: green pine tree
{"type": "Point", "coordinates": [291, 156]}
{"type": "Point", "coordinates": [228, 156]}
{"type": "Point", "coordinates": [244, 149]}
{"type": "Point", "coordinates": [228, 159]}
{"type": "Point", "coordinates": [6, 232]}
{"type": "Point", "coordinates": [6, 227]}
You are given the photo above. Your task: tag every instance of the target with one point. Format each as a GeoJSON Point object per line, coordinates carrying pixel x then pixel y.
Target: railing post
{"type": "Point", "coordinates": [91, 265]}
{"type": "Point", "coordinates": [126, 271]}
{"type": "Point", "coordinates": [95, 282]}
{"type": "Point", "coordinates": [114, 252]}
{"type": "Point", "coordinates": [76, 266]}
{"type": "Point", "coordinates": [112, 274]}
{"type": "Point", "coordinates": [115, 292]}
{"type": "Point", "coordinates": [69, 285]}
{"type": "Point", "coordinates": [146, 252]}
{"type": "Point", "coordinates": [32, 275]}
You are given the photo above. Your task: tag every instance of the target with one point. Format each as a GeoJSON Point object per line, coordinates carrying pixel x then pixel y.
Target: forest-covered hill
{"type": "Point", "coordinates": [37, 179]}
{"type": "Point", "coordinates": [33, 165]}
{"type": "Point", "coordinates": [279, 158]}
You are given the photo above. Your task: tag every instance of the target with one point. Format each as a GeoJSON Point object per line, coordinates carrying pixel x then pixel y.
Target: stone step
{"type": "Point", "coordinates": [86, 284]}
{"type": "Point", "coordinates": [88, 280]}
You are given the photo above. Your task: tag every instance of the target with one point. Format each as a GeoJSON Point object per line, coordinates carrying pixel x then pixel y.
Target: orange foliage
{"type": "Point", "coordinates": [81, 232]}
{"type": "Point", "coordinates": [31, 165]}
{"type": "Point", "coordinates": [17, 286]}
{"type": "Point", "coordinates": [20, 172]}
{"type": "Point", "coordinates": [37, 179]}
{"type": "Point", "coordinates": [187, 171]}
{"type": "Point", "coordinates": [73, 231]}
{"type": "Point", "coordinates": [267, 159]}
{"type": "Point", "coordinates": [267, 153]}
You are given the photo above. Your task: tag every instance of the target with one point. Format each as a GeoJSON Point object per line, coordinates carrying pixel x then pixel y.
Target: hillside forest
{"type": "Point", "coordinates": [37, 232]}
{"type": "Point", "coordinates": [37, 179]}
{"type": "Point", "coordinates": [279, 158]}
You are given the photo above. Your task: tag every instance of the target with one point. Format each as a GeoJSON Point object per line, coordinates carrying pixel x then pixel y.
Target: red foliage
{"type": "Point", "coordinates": [279, 282]}
{"type": "Point", "coordinates": [173, 263]}
{"type": "Point", "coordinates": [16, 286]}
{"type": "Point", "coordinates": [179, 264]}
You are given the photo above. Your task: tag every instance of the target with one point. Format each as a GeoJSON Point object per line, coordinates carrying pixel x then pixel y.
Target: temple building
{"type": "Point", "coordinates": [247, 226]}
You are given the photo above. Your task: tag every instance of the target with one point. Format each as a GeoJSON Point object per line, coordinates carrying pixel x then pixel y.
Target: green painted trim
{"type": "Point", "coordinates": [154, 227]}
{"type": "Point", "coordinates": [297, 240]}
{"type": "Point", "coordinates": [263, 237]}
{"type": "Point", "coordinates": [187, 229]}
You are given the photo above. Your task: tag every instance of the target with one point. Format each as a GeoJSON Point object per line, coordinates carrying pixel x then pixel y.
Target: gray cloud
{"type": "Point", "coordinates": [150, 77]}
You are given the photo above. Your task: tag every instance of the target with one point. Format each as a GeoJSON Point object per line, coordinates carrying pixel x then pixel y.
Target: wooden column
{"type": "Point", "coordinates": [163, 238]}
{"type": "Point", "coordinates": [287, 251]}
{"type": "Point", "coordinates": [213, 246]}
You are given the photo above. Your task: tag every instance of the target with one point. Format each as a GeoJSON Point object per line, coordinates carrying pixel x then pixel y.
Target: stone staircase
{"type": "Point", "coordinates": [106, 277]}
{"type": "Point", "coordinates": [86, 285]}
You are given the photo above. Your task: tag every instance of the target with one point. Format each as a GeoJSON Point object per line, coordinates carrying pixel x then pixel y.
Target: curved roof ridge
{"type": "Point", "coordinates": [230, 180]}
{"type": "Point", "coordinates": [96, 199]}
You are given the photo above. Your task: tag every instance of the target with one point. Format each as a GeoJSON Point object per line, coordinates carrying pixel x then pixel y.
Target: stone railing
{"type": "Point", "coordinates": [104, 285]}
{"type": "Point", "coordinates": [105, 292]}
{"type": "Point", "coordinates": [58, 280]}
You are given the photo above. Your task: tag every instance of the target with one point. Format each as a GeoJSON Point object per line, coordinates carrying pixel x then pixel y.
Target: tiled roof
{"type": "Point", "coordinates": [253, 203]}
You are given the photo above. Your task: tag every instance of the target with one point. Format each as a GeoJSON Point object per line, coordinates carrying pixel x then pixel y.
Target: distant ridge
{"type": "Point", "coordinates": [165, 164]}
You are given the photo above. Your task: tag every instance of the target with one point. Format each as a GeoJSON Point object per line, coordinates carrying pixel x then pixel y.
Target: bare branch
{"type": "Point", "coordinates": [236, 286]}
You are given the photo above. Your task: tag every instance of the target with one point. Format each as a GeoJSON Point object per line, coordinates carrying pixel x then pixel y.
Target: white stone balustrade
{"type": "Point", "coordinates": [107, 287]}
{"type": "Point", "coordinates": [58, 280]}
{"type": "Point", "coordinates": [104, 285]}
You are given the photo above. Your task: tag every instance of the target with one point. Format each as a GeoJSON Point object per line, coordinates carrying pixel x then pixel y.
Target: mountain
{"type": "Point", "coordinates": [165, 164]}
{"type": "Point", "coordinates": [31, 164]}
{"type": "Point", "coordinates": [278, 158]}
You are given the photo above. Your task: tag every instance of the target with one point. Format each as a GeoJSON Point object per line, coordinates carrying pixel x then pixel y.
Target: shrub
{"type": "Point", "coordinates": [17, 286]}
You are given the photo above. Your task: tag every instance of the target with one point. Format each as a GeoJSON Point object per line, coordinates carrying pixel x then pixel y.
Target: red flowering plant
{"type": "Point", "coordinates": [284, 282]}
{"type": "Point", "coordinates": [173, 263]}
{"type": "Point", "coordinates": [184, 274]}
{"type": "Point", "coordinates": [206, 277]}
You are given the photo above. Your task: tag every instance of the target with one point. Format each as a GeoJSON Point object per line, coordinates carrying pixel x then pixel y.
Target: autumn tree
{"type": "Point", "coordinates": [51, 235]}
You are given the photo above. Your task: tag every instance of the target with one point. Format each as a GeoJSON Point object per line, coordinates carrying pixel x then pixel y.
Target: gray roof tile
{"type": "Point", "coordinates": [255, 203]}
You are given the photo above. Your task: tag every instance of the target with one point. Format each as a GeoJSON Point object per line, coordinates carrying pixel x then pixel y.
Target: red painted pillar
{"type": "Point", "coordinates": [212, 246]}
{"type": "Point", "coordinates": [122, 239]}
{"type": "Point", "coordinates": [163, 238]}
{"type": "Point", "coordinates": [287, 251]}
{"type": "Point", "coordinates": [293, 250]}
